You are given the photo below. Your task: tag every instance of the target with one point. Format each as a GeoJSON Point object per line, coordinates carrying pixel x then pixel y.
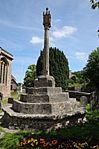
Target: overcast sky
{"type": "Point", "coordinates": [73, 31]}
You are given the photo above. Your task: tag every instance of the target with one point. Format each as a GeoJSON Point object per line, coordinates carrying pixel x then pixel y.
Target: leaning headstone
{"type": "Point", "coordinates": [94, 100]}
{"type": "Point", "coordinates": [83, 101]}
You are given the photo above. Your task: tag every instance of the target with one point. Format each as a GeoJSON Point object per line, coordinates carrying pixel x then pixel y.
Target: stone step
{"type": "Point", "coordinates": [30, 98]}
{"type": "Point", "coordinates": [11, 112]}
{"type": "Point", "coordinates": [44, 90]}
{"type": "Point", "coordinates": [15, 120]}
{"type": "Point", "coordinates": [31, 108]}
{"type": "Point", "coordinates": [60, 97]}
{"type": "Point", "coordinates": [59, 108]}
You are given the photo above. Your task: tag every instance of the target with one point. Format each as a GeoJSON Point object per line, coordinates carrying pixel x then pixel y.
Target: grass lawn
{"type": "Point", "coordinates": [80, 136]}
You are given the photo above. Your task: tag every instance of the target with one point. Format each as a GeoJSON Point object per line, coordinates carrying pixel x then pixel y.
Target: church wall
{"type": "Point", "coordinates": [5, 72]}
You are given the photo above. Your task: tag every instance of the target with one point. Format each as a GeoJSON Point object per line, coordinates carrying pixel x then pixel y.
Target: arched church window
{"type": "Point", "coordinates": [3, 70]}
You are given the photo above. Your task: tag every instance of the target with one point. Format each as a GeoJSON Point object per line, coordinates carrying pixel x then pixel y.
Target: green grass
{"type": "Point", "coordinates": [2, 129]}
{"type": "Point", "coordinates": [15, 95]}
{"type": "Point", "coordinates": [87, 132]}
{"type": "Point", "coordinates": [75, 85]}
{"type": "Point", "coordinates": [82, 131]}
{"type": "Point", "coordinates": [9, 141]}
{"type": "Point", "coordinates": [4, 101]}
{"type": "Point", "coordinates": [0, 110]}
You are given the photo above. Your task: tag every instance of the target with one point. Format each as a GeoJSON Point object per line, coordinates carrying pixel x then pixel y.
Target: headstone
{"type": "Point", "coordinates": [83, 101]}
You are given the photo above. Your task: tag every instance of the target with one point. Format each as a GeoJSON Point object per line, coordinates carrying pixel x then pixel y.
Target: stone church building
{"type": "Point", "coordinates": [5, 72]}
{"type": "Point", "coordinates": [14, 84]}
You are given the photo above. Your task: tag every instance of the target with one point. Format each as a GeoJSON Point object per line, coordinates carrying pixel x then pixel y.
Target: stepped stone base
{"type": "Point", "coordinates": [15, 120]}
{"type": "Point", "coordinates": [58, 108]}
{"type": "Point", "coordinates": [41, 107]}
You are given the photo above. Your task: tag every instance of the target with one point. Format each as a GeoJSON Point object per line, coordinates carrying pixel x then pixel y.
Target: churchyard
{"type": "Point", "coordinates": [48, 115]}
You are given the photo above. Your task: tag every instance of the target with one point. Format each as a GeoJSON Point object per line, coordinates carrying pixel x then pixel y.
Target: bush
{"type": "Point", "coordinates": [92, 115]}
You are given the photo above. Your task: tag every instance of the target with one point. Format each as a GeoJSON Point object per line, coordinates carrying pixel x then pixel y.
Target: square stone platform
{"type": "Point", "coordinates": [41, 107]}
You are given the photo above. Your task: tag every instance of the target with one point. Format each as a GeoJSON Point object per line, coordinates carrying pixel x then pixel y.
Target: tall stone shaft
{"type": "Point", "coordinates": [47, 25]}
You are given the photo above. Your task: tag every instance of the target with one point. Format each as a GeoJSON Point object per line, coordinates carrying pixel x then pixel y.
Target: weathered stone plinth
{"type": "Point", "coordinates": [15, 120]}
{"type": "Point", "coordinates": [41, 107]}
{"type": "Point", "coordinates": [57, 104]}
{"type": "Point", "coordinates": [44, 81]}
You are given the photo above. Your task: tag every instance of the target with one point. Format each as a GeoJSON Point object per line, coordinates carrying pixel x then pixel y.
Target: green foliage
{"type": "Point", "coordinates": [59, 68]}
{"type": "Point", "coordinates": [39, 66]}
{"type": "Point", "coordinates": [4, 101]}
{"type": "Point", "coordinates": [77, 79]}
{"type": "Point", "coordinates": [91, 71]}
{"type": "Point", "coordinates": [1, 111]}
{"type": "Point", "coordinates": [92, 115]}
{"type": "Point", "coordinates": [15, 95]}
{"type": "Point", "coordinates": [94, 4]}
{"type": "Point", "coordinates": [30, 75]}
{"type": "Point", "coordinates": [88, 107]}
{"type": "Point", "coordinates": [10, 141]}
{"type": "Point", "coordinates": [86, 132]}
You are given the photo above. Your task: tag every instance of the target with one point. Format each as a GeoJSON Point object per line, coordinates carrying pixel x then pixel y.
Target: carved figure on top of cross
{"type": "Point", "coordinates": [47, 18]}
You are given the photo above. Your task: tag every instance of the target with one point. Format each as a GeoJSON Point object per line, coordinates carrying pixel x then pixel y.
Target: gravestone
{"type": "Point", "coordinates": [83, 101]}
{"type": "Point", "coordinates": [44, 105]}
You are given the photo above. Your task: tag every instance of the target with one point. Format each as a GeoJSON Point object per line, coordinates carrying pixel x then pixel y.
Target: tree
{"type": "Point", "coordinates": [77, 79]}
{"type": "Point", "coordinates": [94, 4]}
{"type": "Point", "coordinates": [30, 75]}
{"type": "Point", "coordinates": [91, 71]}
{"type": "Point", "coordinates": [59, 68]}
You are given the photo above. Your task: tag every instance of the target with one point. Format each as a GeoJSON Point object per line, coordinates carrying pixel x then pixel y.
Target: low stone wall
{"type": "Point", "coordinates": [30, 123]}
{"type": "Point", "coordinates": [78, 95]}
{"type": "Point", "coordinates": [27, 122]}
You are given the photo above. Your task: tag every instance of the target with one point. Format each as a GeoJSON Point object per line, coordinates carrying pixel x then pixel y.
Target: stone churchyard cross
{"type": "Point", "coordinates": [44, 105]}
{"type": "Point", "coordinates": [47, 25]}
{"type": "Point", "coordinates": [45, 80]}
